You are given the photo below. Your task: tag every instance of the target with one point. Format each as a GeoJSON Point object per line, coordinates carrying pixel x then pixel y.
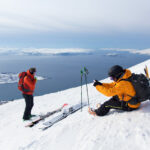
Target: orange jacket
{"type": "Point", "coordinates": [121, 88]}
{"type": "Point", "coordinates": [29, 83]}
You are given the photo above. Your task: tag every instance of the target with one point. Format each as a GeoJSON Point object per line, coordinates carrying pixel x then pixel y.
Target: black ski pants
{"type": "Point", "coordinates": [113, 103]}
{"type": "Point", "coordinates": [29, 104]}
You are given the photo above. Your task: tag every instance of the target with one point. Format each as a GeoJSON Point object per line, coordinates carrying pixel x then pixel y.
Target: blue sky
{"type": "Point", "coordinates": [75, 23]}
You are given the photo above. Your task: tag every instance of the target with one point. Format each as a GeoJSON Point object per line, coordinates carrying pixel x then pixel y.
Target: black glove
{"type": "Point", "coordinates": [96, 83]}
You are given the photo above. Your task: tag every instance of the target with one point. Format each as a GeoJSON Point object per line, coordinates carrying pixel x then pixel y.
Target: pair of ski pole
{"type": "Point", "coordinates": [85, 73]}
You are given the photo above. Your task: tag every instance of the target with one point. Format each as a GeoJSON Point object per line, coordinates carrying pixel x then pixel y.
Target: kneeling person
{"type": "Point", "coordinates": [119, 90]}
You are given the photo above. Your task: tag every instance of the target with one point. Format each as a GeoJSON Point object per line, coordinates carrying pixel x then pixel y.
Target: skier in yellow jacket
{"type": "Point", "coordinates": [119, 90]}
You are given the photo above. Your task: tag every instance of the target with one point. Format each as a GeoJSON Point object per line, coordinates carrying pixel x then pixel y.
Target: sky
{"type": "Point", "coordinates": [75, 23]}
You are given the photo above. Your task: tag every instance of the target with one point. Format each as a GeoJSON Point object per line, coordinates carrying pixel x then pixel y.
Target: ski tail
{"type": "Point", "coordinates": [64, 105]}
{"type": "Point", "coordinates": [146, 72]}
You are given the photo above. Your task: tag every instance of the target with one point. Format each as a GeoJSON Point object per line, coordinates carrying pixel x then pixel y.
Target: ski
{"type": "Point", "coordinates": [146, 72]}
{"type": "Point", "coordinates": [62, 116]}
{"type": "Point", "coordinates": [45, 116]}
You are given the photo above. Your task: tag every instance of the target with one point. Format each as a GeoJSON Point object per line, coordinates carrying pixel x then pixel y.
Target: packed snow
{"type": "Point", "coordinates": [80, 131]}
{"type": "Point", "coordinates": [12, 78]}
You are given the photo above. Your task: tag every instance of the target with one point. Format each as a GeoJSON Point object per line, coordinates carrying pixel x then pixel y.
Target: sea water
{"type": "Point", "coordinates": [62, 71]}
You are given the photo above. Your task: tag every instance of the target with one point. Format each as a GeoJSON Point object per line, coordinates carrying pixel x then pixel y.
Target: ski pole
{"type": "Point", "coordinates": [81, 87]}
{"type": "Point", "coordinates": [86, 73]}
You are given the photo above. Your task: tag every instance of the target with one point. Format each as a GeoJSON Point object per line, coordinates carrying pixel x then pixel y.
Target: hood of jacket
{"type": "Point", "coordinates": [126, 75]}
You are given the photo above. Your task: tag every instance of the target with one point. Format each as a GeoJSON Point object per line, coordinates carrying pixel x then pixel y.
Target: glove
{"type": "Point", "coordinates": [35, 79]}
{"type": "Point", "coordinates": [96, 83]}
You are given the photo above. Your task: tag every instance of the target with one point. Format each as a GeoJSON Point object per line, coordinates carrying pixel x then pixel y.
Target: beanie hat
{"type": "Point", "coordinates": [32, 70]}
{"type": "Point", "coordinates": [116, 71]}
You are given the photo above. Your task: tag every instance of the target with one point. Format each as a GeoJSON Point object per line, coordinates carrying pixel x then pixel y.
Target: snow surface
{"type": "Point", "coordinates": [12, 78]}
{"type": "Point", "coordinates": [80, 131]}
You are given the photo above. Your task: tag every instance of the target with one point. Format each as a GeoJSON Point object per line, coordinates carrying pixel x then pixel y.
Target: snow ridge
{"type": "Point", "coordinates": [118, 130]}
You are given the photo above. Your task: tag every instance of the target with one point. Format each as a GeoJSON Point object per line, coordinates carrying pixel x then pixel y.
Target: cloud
{"type": "Point", "coordinates": [44, 51]}
{"type": "Point", "coordinates": [135, 51]}
{"type": "Point", "coordinates": [98, 16]}
{"type": "Point", "coordinates": [65, 51]}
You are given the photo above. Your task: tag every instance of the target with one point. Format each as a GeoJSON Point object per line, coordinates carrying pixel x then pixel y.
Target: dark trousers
{"type": "Point", "coordinates": [28, 107]}
{"type": "Point", "coordinates": [113, 103]}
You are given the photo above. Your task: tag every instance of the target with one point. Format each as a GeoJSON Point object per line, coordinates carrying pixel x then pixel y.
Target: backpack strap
{"type": "Point", "coordinates": [26, 89]}
{"type": "Point", "coordinates": [134, 99]}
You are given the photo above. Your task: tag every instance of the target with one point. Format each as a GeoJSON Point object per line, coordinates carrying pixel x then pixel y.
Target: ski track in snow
{"type": "Point", "coordinates": [80, 131]}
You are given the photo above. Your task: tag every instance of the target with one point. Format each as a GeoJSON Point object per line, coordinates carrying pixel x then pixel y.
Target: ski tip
{"type": "Point", "coordinates": [65, 104]}
{"type": "Point", "coordinates": [28, 126]}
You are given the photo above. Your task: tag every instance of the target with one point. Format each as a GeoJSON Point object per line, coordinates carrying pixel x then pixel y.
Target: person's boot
{"type": "Point", "coordinates": [32, 116]}
{"type": "Point", "coordinates": [26, 119]}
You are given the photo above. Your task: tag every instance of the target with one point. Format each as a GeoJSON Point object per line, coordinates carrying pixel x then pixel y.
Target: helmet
{"type": "Point", "coordinates": [116, 71]}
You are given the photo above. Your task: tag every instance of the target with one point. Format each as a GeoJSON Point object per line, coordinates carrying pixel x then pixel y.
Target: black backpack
{"type": "Point", "coordinates": [141, 85]}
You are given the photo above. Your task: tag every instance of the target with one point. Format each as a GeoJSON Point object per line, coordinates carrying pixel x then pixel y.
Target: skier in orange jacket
{"type": "Point", "coordinates": [29, 83]}
{"type": "Point", "coordinates": [120, 90]}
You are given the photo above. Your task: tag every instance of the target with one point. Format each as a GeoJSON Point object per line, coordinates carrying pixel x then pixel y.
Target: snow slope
{"type": "Point", "coordinates": [80, 131]}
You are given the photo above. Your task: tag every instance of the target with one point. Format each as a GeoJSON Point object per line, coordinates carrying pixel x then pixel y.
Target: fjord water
{"type": "Point", "coordinates": [63, 71]}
